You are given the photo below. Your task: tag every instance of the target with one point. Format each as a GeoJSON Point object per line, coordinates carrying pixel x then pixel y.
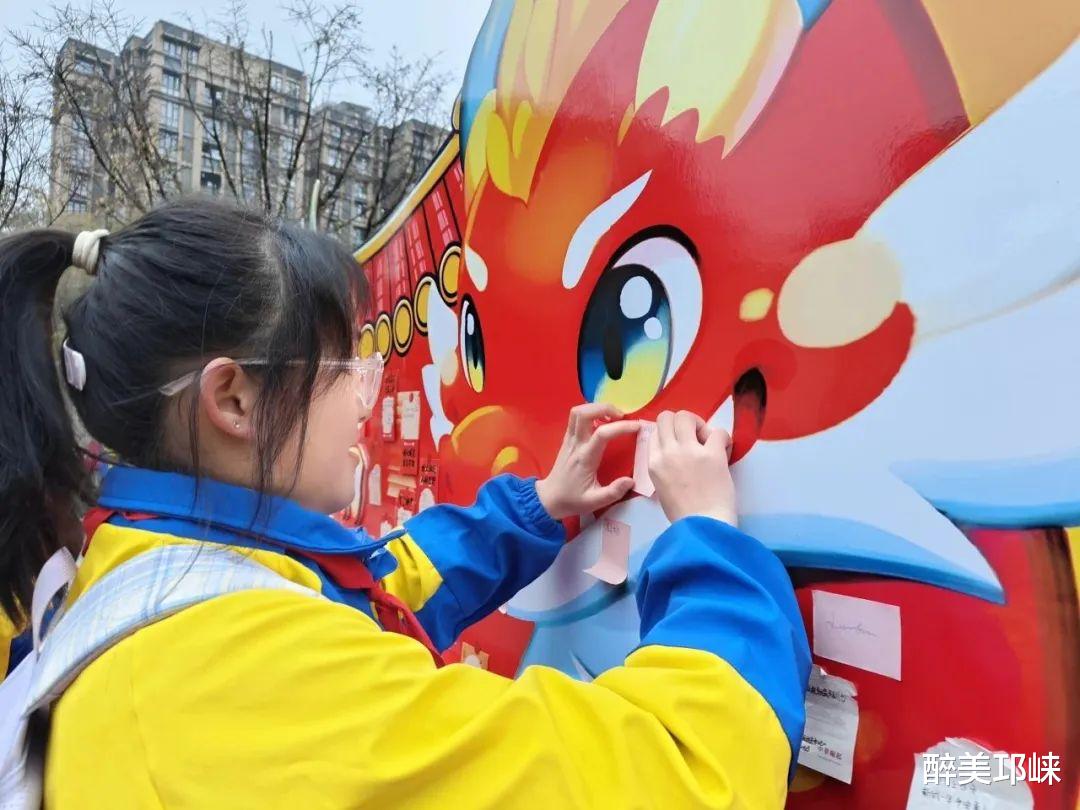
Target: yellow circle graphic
{"type": "Point", "coordinates": [403, 325]}
{"type": "Point", "coordinates": [382, 335]}
{"type": "Point", "coordinates": [366, 347]}
{"type": "Point", "coordinates": [450, 274]}
{"type": "Point", "coordinates": [421, 299]}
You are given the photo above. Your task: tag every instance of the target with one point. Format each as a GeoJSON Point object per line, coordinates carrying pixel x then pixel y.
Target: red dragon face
{"type": "Point", "coordinates": [646, 266]}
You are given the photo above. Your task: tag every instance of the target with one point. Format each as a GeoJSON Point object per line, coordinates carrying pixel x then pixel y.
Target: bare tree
{"type": "Point", "coordinates": [406, 95]}
{"type": "Point", "coordinates": [22, 139]}
{"type": "Point", "coordinates": [104, 125]}
{"type": "Point", "coordinates": [262, 125]}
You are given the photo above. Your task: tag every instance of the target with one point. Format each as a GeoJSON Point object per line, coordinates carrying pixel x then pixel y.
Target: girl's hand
{"type": "Point", "coordinates": [571, 488]}
{"type": "Point", "coordinates": [688, 463]}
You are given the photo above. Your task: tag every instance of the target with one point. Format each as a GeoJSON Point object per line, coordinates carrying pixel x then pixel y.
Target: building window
{"type": "Point", "coordinates": [170, 83]}
{"type": "Point", "coordinates": [212, 94]}
{"type": "Point", "coordinates": [168, 143]}
{"type": "Point", "coordinates": [211, 152]}
{"type": "Point", "coordinates": [291, 119]}
{"type": "Point", "coordinates": [275, 83]}
{"type": "Point", "coordinates": [333, 157]}
{"type": "Point", "coordinates": [85, 66]}
{"type": "Point", "coordinates": [209, 181]}
{"type": "Point", "coordinates": [174, 53]}
{"type": "Point", "coordinates": [292, 88]}
{"type": "Point", "coordinates": [82, 155]}
{"type": "Point", "coordinates": [288, 147]}
{"type": "Point", "coordinates": [173, 48]}
{"type": "Point", "coordinates": [77, 204]}
{"type": "Point", "coordinates": [359, 234]}
{"type": "Point", "coordinates": [170, 115]}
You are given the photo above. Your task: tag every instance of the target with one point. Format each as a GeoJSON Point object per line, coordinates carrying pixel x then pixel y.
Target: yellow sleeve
{"type": "Point", "coordinates": [267, 699]}
{"type": "Point", "coordinates": [8, 632]}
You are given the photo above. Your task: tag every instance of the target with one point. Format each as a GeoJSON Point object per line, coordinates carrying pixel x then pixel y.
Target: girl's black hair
{"type": "Point", "coordinates": [188, 282]}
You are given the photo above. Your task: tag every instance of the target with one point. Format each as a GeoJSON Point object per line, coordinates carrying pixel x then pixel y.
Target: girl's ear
{"type": "Point", "coordinates": [227, 398]}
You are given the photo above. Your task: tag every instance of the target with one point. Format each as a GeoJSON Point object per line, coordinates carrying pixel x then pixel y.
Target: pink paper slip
{"type": "Point", "coordinates": [643, 484]}
{"type": "Point", "coordinates": [614, 553]}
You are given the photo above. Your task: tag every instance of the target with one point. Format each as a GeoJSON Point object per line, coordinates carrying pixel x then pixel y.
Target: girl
{"type": "Point", "coordinates": [213, 353]}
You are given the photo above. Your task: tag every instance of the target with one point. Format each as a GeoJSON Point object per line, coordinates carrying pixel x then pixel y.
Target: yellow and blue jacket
{"type": "Point", "coordinates": [267, 699]}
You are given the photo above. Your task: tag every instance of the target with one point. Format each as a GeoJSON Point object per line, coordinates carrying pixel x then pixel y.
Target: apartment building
{"type": "Point", "coordinates": [175, 111]}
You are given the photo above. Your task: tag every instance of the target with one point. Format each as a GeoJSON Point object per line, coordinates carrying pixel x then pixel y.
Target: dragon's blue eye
{"type": "Point", "coordinates": [471, 346]}
{"type": "Point", "coordinates": [624, 349]}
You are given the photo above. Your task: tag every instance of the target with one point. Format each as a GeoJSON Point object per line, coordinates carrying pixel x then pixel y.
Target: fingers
{"type": "Point", "coordinates": [582, 417]}
{"type": "Point", "coordinates": [688, 426]}
{"type": "Point", "coordinates": [719, 442]}
{"type": "Point", "coordinates": [604, 496]}
{"type": "Point", "coordinates": [684, 426]}
{"type": "Point", "coordinates": [605, 433]}
{"type": "Point", "coordinates": [665, 430]}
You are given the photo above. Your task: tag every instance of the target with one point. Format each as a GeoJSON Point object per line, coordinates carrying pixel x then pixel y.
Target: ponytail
{"type": "Point", "coordinates": [42, 477]}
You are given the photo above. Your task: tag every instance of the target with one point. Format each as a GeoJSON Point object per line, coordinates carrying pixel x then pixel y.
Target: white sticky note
{"type": "Point", "coordinates": [374, 485]}
{"type": "Point", "coordinates": [858, 632]}
{"type": "Point", "coordinates": [832, 723]}
{"type": "Point", "coordinates": [614, 553]}
{"type": "Point", "coordinates": [643, 484]}
{"type": "Point", "coordinates": [427, 498]}
{"type": "Point", "coordinates": [385, 528]}
{"type": "Point", "coordinates": [403, 515]}
{"type": "Point", "coordinates": [388, 417]}
{"type": "Point", "coordinates": [960, 773]}
{"type": "Point", "coordinates": [409, 411]}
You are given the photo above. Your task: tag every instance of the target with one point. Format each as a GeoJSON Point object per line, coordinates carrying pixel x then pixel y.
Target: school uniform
{"type": "Point", "coordinates": [270, 699]}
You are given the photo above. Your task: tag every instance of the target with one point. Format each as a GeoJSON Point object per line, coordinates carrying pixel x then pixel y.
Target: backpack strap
{"type": "Point", "coordinates": [145, 589]}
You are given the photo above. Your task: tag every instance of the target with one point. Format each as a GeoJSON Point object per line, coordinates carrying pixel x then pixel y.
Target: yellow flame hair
{"type": "Point", "coordinates": [721, 61]}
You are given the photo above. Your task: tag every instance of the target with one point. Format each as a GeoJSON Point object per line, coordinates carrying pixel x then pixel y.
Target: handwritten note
{"type": "Point", "coordinates": [427, 499]}
{"type": "Point", "coordinates": [858, 632]}
{"type": "Point", "coordinates": [614, 553]}
{"type": "Point", "coordinates": [832, 722]}
{"type": "Point", "coordinates": [409, 413]}
{"type": "Point", "coordinates": [960, 773]}
{"type": "Point", "coordinates": [375, 486]}
{"type": "Point", "coordinates": [410, 457]}
{"type": "Point", "coordinates": [429, 473]}
{"type": "Point", "coordinates": [643, 484]}
{"type": "Point", "coordinates": [388, 418]}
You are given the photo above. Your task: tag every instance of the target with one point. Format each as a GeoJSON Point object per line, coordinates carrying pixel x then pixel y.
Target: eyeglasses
{"type": "Point", "coordinates": [366, 372]}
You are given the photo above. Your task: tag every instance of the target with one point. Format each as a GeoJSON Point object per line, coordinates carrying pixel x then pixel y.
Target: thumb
{"type": "Point", "coordinates": [610, 493]}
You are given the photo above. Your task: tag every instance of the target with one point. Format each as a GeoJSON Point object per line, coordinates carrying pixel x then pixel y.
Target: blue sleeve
{"type": "Point", "coordinates": [706, 585]}
{"type": "Point", "coordinates": [481, 554]}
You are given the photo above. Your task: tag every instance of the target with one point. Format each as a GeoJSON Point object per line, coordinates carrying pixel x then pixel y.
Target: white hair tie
{"type": "Point", "coordinates": [87, 246]}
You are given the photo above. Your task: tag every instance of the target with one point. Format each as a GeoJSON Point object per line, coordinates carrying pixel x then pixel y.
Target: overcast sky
{"type": "Point", "coordinates": [417, 27]}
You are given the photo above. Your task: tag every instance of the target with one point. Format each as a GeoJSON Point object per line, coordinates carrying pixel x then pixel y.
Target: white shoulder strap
{"type": "Point", "coordinates": [137, 593]}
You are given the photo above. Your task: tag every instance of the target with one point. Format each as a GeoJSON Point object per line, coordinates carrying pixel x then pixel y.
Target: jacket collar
{"type": "Point", "coordinates": [280, 520]}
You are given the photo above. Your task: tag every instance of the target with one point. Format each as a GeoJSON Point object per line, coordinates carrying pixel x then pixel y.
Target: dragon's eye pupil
{"type": "Point", "coordinates": [625, 343]}
{"type": "Point", "coordinates": [473, 359]}
{"type": "Point", "coordinates": [613, 351]}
